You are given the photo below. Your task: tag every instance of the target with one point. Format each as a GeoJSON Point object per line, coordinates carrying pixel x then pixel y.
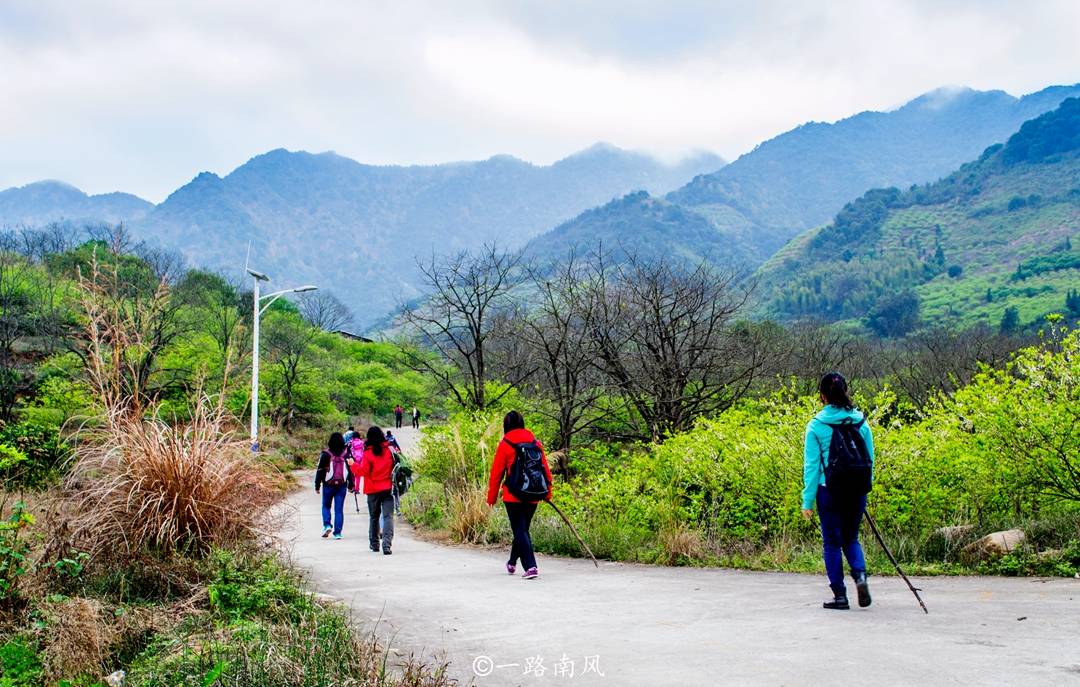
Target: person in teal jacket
{"type": "Point", "coordinates": [840, 515]}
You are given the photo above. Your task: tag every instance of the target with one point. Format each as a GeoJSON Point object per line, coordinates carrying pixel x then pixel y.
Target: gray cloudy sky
{"type": "Point", "coordinates": [141, 95]}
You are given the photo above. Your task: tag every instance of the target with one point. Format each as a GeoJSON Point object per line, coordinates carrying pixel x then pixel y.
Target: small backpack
{"type": "Point", "coordinates": [527, 480]}
{"type": "Point", "coordinates": [850, 470]}
{"type": "Point", "coordinates": [337, 470]}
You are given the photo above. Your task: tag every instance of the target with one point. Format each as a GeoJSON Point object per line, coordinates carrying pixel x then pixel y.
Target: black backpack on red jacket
{"type": "Point", "coordinates": [526, 479]}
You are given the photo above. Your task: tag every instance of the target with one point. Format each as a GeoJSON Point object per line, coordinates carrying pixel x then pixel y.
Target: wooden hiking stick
{"type": "Point", "coordinates": [574, 530]}
{"type": "Point", "coordinates": [914, 590]}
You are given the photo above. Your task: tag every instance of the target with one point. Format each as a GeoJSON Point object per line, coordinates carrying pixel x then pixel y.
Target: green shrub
{"type": "Point", "coordinates": [14, 552]}
{"type": "Point", "coordinates": [20, 663]}
{"type": "Point", "coordinates": [241, 589]}
{"type": "Point", "coordinates": [45, 453]}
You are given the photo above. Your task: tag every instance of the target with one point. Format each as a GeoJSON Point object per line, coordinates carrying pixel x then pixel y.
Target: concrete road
{"type": "Point", "coordinates": [626, 625]}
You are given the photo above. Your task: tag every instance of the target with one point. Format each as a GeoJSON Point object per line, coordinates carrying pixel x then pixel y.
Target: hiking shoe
{"type": "Point", "coordinates": [337, 536]}
{"type": "Point", "coordinates": [374, 548]}
{"type": "Point", "coordinates": [386, 551]}
{"type": "Point", "coordinates": [326, 532]}
{"type": "Point", "coordinates": [530, 574]}
{"type": "Point", "coordinates": [863, 588]}
{"type": "Point", "coordinates": [839, 603]}
{"type": "Point", "coordinates": [511, 568]}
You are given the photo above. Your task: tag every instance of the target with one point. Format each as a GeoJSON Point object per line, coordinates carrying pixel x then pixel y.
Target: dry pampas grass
{"type": "Point", "coordinates": [141, 484]}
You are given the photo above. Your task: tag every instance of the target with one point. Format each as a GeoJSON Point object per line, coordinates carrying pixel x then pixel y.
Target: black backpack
{"type": "Point", "coordinates": [526, 479]}
{"type": "Point", "coordinates": [850, 471]}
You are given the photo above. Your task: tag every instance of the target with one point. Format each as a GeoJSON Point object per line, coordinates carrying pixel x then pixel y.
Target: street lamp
{"type": "Point", "coordinates": [257, 313]}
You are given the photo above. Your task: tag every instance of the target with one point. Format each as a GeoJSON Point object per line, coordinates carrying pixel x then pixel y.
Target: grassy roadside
{"type": "Point", "coordinates": [551, 536]}
{"type": "Point", "coordinates": [150, 557]}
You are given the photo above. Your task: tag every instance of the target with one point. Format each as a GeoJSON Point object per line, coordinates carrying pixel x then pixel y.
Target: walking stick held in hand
{"type": "Point", "coordinates": [877, 535]}
{"type": "Point", "coordinates": [574, 530]}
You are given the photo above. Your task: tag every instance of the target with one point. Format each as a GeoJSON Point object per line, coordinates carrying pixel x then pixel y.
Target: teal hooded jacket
{"type": "Point", "coordinates": [816, 447]}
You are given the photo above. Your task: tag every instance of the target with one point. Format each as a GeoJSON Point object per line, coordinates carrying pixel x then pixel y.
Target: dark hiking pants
{"type": "Point", "coordinates": [380, 505]}
{"type": "Point", "coordinates": [521, 515]}
{"type": "Point", "coordinates": [840, 519]}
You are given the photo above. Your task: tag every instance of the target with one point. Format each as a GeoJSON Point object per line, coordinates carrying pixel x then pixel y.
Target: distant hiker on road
{"type": "Point", "coordinates": [415, 417]}
{"type": "Point", "coordinates": [392, 441]}
{"type": "Point", "coordinates": [398, 412]}
{"type": "Point", "coordinates": [521, 467]}
{"type": "Point", "coordinates": [838, 471]}
{"type": "Point", "coordinates": [376, 468]}
{"type": "Point", "coordinates": [332, 478]}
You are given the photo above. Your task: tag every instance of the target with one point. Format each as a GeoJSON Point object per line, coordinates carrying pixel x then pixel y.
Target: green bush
{"type": "Point", "coordinates": [45, 453]}
{"type": "Point", "coordinates": [20, 663]}
{"type": "Point", "coordinates": [995, 455]}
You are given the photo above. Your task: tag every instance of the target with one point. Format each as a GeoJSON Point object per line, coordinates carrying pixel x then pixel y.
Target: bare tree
{"type": "Point", "coordinates": [131, 299]}
{"type": "Point", "coordinates": [667, 339]}
{"type": "Point", "coordinates": [939, 361]}
{"type": "Point", "coordinates": [557, 332]}
{"type": "Point", "coordinates": [807, 350]}
{"type": "Point", "coordinates": [467, 302]}
{"type": "Point", "coordinates": [322, 309]}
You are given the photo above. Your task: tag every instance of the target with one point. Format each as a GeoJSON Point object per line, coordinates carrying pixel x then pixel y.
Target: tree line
{"type": "Point", "coordinates": [613, 345]}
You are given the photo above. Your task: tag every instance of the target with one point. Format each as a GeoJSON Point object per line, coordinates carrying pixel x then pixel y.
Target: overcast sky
{"type": "Point", "coordinates": [141, 96]}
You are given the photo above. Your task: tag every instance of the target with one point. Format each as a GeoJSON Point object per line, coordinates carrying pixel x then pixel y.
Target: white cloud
{"type": "Point", "coordinates": [141, 96]}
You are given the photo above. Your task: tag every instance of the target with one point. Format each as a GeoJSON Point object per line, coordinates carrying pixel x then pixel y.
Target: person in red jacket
{"type": "Point", "coordinates": [519, 512]}
{"type": "Point", "coordinates": [376, 467]}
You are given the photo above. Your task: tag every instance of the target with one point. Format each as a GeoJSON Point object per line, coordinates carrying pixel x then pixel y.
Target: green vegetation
{"type": "Point", "coordinates": [131, 508]}
{"type": "Point", "coordinates": [995, 234]}
{"type": "Point", "coordinates": [727, 491]}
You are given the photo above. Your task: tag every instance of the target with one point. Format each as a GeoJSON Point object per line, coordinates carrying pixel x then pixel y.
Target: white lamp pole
{"type": "Point", "coordinates": [256, 315]}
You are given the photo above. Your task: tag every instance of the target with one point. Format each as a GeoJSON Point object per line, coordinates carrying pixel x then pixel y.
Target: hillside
{"type": "Point", "coordinates": [801, 178]}
{"type": "Point", "coordinates": [50, 201]}
{"type": "Point", "coordinates": [641, 224]}
{"type": "Point", "coordinates": [1002, 231]}
{"type": "Point", "coordinates": [357, 229]}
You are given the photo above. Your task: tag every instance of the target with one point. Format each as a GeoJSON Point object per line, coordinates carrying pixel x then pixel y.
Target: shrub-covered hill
{"type": "Point", "coordinates": [640, 224]}
{"type": "Point", "coordinates": [1000, 233]}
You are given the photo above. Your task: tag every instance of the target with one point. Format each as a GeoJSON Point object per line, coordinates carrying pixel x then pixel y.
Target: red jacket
{"type": "Point", "coordinates": [504, 458]}
{"type": "Point", "coordinates": [375, 469]}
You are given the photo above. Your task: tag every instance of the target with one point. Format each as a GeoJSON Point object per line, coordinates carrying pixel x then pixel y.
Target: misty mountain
{"type": "Point", "coordinates": [801, 178]}
{"type": "Point", "coordinates": [357, 229]}
{"type": "Point", "coordinates": [51, 201]}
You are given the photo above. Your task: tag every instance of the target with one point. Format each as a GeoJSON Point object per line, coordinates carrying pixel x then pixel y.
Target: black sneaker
{"type": "Point", "coordinates": [839, 603]}
{"type": "Point", "coordinates": [386, 551]}
{"type": "Point", "coordinates": [863, 588]}
{"type": "Point", "coordinates": [374, 548]}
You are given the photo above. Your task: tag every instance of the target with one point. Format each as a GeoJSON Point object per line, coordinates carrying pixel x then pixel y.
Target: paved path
{"type": "Point", "coordinates": [654, 626]}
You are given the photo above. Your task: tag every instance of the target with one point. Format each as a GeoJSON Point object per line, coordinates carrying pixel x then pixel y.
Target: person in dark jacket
{"type": "Point", "coordinates": [376, 468]}
{"type": "Point", "coordinates": [840, 514]}
{"type": "Point", "coordinates": [519, 512]}
{"type": "Point", "coordinates": [332, 478]}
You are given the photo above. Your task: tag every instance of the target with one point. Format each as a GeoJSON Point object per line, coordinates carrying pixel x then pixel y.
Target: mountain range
{"type": "Point", "coordinates": [50, 201]}
{"type": "Point", "coordinates": [1002, 231]}
{"type": "Point", "coordinates": [800, 179]}
{"type": "Point", "coordinates": [358, 229]}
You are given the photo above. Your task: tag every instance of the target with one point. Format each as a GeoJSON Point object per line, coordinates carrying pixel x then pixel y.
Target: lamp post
{"type": "Point", "coordinates": [256, 315]}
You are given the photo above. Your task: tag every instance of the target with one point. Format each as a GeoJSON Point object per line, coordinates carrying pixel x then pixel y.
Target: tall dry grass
{"type": "Point", "coordinates": [144, 485]}
{"type": "Point", "coordinates": [139, 484]}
